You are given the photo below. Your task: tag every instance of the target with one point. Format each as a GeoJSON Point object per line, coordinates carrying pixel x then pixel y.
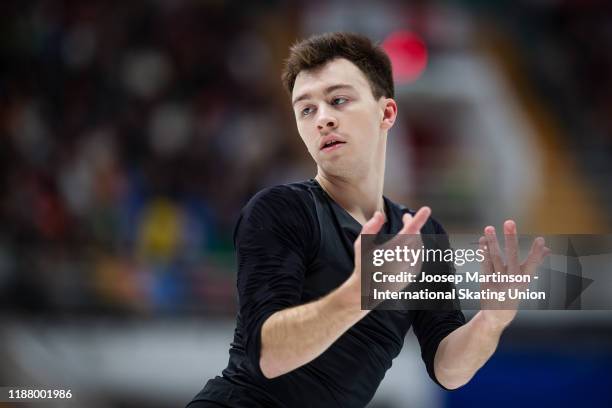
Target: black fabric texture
{"type": "Point", "coordinates": [294, 244]}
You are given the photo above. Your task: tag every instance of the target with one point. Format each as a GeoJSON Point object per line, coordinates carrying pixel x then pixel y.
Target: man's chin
{"type": "Point", "coordinates": [337, 170]}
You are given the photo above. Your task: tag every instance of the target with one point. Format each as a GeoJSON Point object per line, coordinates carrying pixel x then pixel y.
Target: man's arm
{"type": "Point", "coordinates": [461, 353]}
{"type": "Point", "coordinates": [465, 350]}
{"type": "Point", "coordinates": [295, 336]}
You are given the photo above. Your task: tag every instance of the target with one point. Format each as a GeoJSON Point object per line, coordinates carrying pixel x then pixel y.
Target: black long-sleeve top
{"type": "Point", "coordinates": [294, 244]}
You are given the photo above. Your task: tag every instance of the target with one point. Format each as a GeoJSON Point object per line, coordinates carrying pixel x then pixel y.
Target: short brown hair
{"type": "Point", "coordinates": [317, 50]}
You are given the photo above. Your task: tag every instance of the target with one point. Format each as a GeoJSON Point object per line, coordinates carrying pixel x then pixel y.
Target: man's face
{"type": "Point", "coordinates": [338, 118]}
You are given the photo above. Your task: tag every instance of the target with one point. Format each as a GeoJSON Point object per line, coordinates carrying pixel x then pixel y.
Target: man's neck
{"type": "Point", "coordinates": [360, 198]}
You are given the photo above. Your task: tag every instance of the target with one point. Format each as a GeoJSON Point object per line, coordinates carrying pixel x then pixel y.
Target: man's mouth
{"type": "Point", "coordinates": [332, 145]}
{"type": "Point", "coordinates": [331, 142]}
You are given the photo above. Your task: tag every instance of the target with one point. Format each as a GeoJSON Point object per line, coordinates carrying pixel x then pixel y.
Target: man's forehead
{"type": "Point", "coordinates": [337, 71]}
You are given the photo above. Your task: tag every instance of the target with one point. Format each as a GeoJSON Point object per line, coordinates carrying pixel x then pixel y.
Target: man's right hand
{"type": "Point", "coordinates": [412, 227]}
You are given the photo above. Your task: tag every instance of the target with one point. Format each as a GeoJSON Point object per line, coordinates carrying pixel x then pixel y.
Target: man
{"type": "Point", "coordinates": [301, 338]}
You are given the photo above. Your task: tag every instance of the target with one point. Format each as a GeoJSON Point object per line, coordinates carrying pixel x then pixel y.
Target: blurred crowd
{"type": "Point", "coordinates": [131, 138]}
{"type": "Point", "coordinates": [566, 49]}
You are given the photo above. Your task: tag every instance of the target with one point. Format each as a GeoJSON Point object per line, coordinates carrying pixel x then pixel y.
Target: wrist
{"type": "Point", "coordinates": [490, 323]}
{"type": "Point", "coordinates": [348, 296]}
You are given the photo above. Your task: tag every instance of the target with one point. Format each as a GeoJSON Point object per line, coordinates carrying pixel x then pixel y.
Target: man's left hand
{"type": "Point", "coordinates": [497, 313]}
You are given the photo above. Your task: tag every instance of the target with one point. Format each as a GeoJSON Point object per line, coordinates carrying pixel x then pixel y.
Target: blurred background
{"type": "Point", "coordinates": [131, 135]}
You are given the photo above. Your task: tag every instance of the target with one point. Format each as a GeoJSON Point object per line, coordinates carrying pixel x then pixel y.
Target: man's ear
{"type": "Point", "coordinates": [389, 113]}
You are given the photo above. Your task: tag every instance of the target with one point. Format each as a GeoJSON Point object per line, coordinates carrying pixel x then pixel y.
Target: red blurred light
{"type": "Point", "coordinates": [408, 55]}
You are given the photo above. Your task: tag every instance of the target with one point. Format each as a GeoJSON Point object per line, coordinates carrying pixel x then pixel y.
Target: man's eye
{"type": "Point", "coordinates": [339, 100]}
{"type": "Point", "coordinates": [306, 111]}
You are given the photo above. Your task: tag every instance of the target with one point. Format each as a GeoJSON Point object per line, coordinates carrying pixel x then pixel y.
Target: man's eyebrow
{"type": "Point", "coordinates": [327, 90]}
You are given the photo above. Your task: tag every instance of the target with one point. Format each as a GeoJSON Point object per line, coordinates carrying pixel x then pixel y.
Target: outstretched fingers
{"type": "Point", "coordinates": [413, 224]}
{"type": "Point", "coordinates": [494, 249]}
{"type": "Point", "coordinates": [512, 247]}
{"type": "Point", "coordinates": [536, 255]}
{"type": "Point", "coordinates": [487, 265]}
{"type": "Point", "coordinates": [374, 224]}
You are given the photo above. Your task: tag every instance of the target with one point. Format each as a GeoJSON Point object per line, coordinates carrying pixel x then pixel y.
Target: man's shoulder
{"type": "Point", "coordinates": [283, 208]}
{"type": "Point", "coordinates": [288, 204]}
{"type": "Point", "coordinates": [283, 196]}
{"type": "Point", "coordinates": [296, 190]}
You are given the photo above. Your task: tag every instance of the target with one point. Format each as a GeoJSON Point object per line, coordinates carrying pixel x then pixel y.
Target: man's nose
{"type": "Point", "coordinates": [326, 121]}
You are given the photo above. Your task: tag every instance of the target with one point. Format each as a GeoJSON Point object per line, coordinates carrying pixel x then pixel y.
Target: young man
{"type": "Point", "coordinates": [301, 338]}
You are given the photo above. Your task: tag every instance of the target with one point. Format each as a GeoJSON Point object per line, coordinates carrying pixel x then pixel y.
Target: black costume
{"type": "Point", "coordinates": [294, 245]}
